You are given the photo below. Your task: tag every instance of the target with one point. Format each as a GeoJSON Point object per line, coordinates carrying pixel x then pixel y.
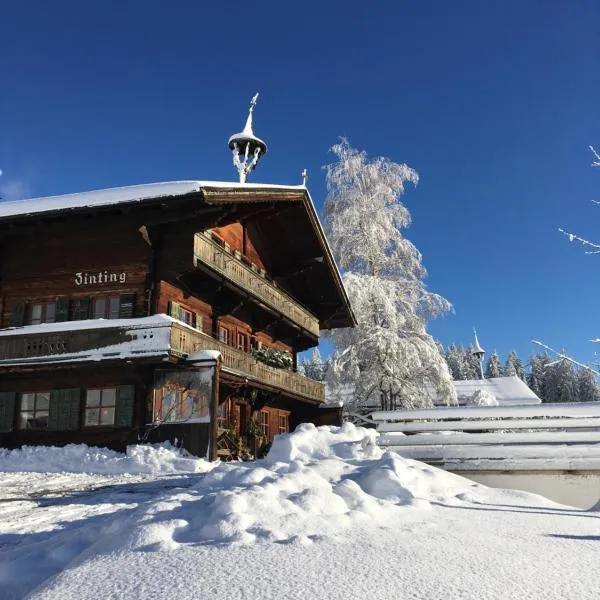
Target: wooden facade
{"type": "Point", "coordinates": [84, 356]}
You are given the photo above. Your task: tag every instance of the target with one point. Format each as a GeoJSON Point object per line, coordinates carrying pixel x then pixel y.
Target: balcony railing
{"type": "Point", "coordinates": [226, 264]}
{"type": "Point", "coordinates": [150, 338]}
{"type": "Point", "coordinates": [184, 341]}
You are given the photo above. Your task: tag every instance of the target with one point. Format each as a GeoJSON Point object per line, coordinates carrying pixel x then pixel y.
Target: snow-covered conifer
{"type": "Point", "coordinates": [389, 356]}
{"type": "Point", "coordinates": [514, 366]}
{"type": "Point", "coordinates": [494, 366]}
{"type": "Point", "coordinates": [314, 368]}
{"type": "Point", "coordinates": [587, 386]}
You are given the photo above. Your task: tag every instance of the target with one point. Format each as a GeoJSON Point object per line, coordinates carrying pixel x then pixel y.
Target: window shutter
{"type": "Point", "coordinates": [125, 404]}
{"type": "Point", "coordinates": [64, 409]}
{"type": "Point", "coordinates": [7, 410]}
{"type": "Point", "coordinates": [17, 315]}
{"type": "Point", "coordinates": [127, 306]}
{"type": "Point", "coordinates": [69, 409]}
{"type": "Point", "coordinates": [80, 309]}
{"type": "Point", "coordinates": [199, 323]}
{"type": "Point", "coordinates": [173, 309]}
{"type": "Point", "coordinates": [62, 310]}
{"type": "Point", "coordinates": [53, 410]}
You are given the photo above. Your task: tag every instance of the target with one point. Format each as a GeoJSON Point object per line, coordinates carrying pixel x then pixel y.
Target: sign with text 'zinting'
{"type": "Point", "coordinates": [99, 278]}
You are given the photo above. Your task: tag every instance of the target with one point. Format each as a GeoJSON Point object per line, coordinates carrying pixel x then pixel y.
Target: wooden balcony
{"type": "Point", "coordinates": [234, 270]}
{"type": "Point", "coordinates": [152, 339]}
{"type": "Point", "coordinates": [185, 341]}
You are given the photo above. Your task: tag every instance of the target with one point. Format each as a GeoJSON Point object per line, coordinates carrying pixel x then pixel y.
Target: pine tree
{"type": "Point", "coordinates": [587, 386]}
{"type": "Point", "coordinates": [455, 357]}
{"type": "Point", "coordinates": [535, 379]}
{"type": "Point", "coordinates": [494, 366]}
{"type": "Point", "coordinates": [314, 367]}
{"type": "Point", "coordinates": [514, 366]}
{"type": "Point", "coordinates": [388, 356]}
{"type": "Point", "coordinates": [472, 366]}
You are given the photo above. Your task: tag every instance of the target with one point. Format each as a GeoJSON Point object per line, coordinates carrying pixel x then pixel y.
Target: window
{"type": "Point", "coordinates": [114, 307]}
{"type": "Point", "coordinates": [264, 423]}
{"type": "Point", "coordinates": [36, 314]}
{"type": "Point", "coordinates": [223, 335]}
{"type": "Point", "coordinates": [99, 309]}
{"type": "Point", "coordinates": [35, 409]}
{"type": "Point", "coordinates": [42, 313]}
{"type": "Point", "coordinates": [242, 342]}
{"type": "Point", "coordinates": [50, 315]}
{"type": "Point", "coordinates": [100, 406]}
{"type": "Point", "coordinates": [185, 315]}
{"type": "Point", "coordinates": [283, 424]}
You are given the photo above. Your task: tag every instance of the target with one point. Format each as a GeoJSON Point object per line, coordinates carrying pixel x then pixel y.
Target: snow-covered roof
{"type": "Point", "coordinates": [118, 195]}
{"type": "Point", "coordinates": [508, 391]}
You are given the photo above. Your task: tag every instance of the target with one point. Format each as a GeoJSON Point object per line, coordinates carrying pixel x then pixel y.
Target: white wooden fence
{"type": "Point", "coordinates": [542, 437]}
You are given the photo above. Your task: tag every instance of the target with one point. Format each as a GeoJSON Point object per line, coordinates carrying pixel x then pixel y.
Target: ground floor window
{"type": "Point", "coordinates": [283, 424]}
{"type": "Point", "coordinates": [264, 423]}
{"type": "Point", "coordinates": [100, 407]}
{"type": "Point", "coordinates": [35, 409]}
{"type": "Point", "coordinates": [63, 409]}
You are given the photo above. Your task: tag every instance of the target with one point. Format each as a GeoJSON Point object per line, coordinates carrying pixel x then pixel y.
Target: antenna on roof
{"type": "Point", "coordinates": [247, 149]}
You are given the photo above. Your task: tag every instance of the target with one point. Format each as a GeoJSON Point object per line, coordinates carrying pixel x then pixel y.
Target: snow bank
{"type": "Point", "coordinates": [79, 458]}
{"type": "Point", "coordinates": [328, 488]}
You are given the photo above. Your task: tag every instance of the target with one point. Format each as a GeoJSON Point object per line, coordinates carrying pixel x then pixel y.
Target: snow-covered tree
{"type": "Point", "coordinates": [455, 358]}
{"type": "Point", "coordinates": [535, 379]}
{"type": "Point", "coordinates": [388, 356]}
{"type": "Point", "coordinates": [514, 366]}
{"type": "Point", "coordinates": [314, 367]}
{"type": "Point", "coordinates": [494, 366]}
{"type": "Point", "coordinates": [587, 386]}
{"type": "Point", "coordinates": [560, 382]}
{"type": "Point", "coordinates": [472, 369]}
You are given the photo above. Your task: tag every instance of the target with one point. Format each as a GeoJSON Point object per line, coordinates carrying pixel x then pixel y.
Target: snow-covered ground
{"type": "Point", "coordinates": [326, 515]}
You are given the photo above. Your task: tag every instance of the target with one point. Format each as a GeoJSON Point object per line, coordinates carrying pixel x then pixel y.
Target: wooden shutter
{"type": "Point", "coordinates": [80, 309]}
{"type": "Point", "coordinates": [127, 306]}
{"type": "Point", "coordinates": [17, 314]}
{"type": "Point", "coordinates": [199, 322]}
{"type": "Point", "coordinates": [62, 310]}
{"type": "Point", "coordinates": [173, 309]}
{"type": "Point", "coordinates": [7, 410]}
{"type": "Point", "coordinates": [53, 410]}
{"type": "Point", "coordinates": [125, 405]}
{"type": "Point", "coordinates": [64, 409]}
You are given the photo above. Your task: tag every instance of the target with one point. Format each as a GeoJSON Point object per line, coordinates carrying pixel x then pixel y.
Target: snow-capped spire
{"type": "Point", "coordinates": [478, 352]}
{"type": "Point", "coordinates": [246, 147]}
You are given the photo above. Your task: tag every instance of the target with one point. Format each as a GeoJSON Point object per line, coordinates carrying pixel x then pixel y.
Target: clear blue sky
{"type": "Point", "coordinates": [493, 103]}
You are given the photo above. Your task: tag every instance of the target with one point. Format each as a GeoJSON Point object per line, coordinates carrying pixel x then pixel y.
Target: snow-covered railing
{"type": "Point", "coordinates": [184, 341]}
{"type": "Point", "coordinates": [226, 264]}
{"type": "Point", "coordinates": [558, 436]}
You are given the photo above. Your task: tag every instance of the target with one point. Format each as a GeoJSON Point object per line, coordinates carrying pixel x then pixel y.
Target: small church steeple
{"type": "Point", "coordinates": [478, 353]}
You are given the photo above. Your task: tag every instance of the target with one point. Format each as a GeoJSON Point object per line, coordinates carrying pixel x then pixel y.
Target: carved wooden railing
{"type": "Point", "coordinates": [226, 264]}
{"type": "Point", "coordinates": [185, 341]}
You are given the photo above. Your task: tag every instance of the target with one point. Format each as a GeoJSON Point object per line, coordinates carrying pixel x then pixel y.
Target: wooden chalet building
{"type": "Point", "coordinates": [105, 295]}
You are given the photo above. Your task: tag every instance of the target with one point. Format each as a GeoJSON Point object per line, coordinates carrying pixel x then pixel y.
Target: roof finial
{"type": "Point", "coordinates": [304, 177]}
{"type": "Point", "coordinates": [246, 147]}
